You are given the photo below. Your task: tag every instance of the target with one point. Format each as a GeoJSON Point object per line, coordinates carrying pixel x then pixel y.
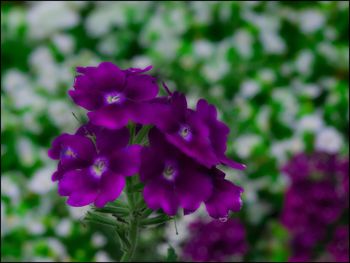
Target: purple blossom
{"type": "Point", "coordinates": [315, 200]}
{"type": "Point", "coordinates": [215, 241]}
{"type": "Point", "coordinates": [172, 179]}
{"type": "Point", "coordinates": [93, 164]}
{"type": "Point", "coordinates": [226, 196]}
{"type": "Point", "coordinates": [198, 133]}
{"type": "Point", "coordinates": [114, 96]}
{"type": "Point", "coordinates": [339, 246]}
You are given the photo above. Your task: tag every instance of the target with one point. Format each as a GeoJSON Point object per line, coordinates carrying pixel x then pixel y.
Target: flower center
{"type": "Point", "coordinates": [68, 153]}
{"type": "Point", "coordinates": [99, 167]}
{"type": "Point", "coordinates": [113, 98]}
{"type": "Point", "coordinates": [169, 172]}
{"type": "Point", "coordinates": [185, 132]}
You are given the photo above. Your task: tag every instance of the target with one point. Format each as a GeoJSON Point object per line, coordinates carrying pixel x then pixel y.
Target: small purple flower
{"type": "Point", "coordinates": [172, 179]}
{"type": "Point", "coordinates": [215, 241]}
{"type": "Point", "coordinates": [198, 133]}
{"type": "Point", "coordinates": [339, 246]}
{"type": "Point", "coordinates": [93, 164]}
{"type": "Point", "coordinates": [114, 96]}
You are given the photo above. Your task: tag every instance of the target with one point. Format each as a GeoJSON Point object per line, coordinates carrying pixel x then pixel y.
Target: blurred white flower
{"type": "Point", "coordinates": [267, 75]}
{"type": "Point", "coordinates": [60, 113]}
{"type": "Point", "coordinates": [242, 41]}
{"type": "Point", "coordinates": [249, 88]}
{"type": "Point", "coordinates": [102, 256]}
{"type": "Point", "coordinates": [272, 42]}
{"type": "Point", "coordinates": [78, 212]}
{"type": "Point", "coordinates": [244, 144]}
{"type": "Point", "coordinates": [41, 182]}
{"type": "Point", "coordinates": [141, 61]}
{"type": "Point", "coordinates": [108, 45]}
{"type": "Point", "coordinates": [312, 122]}
{"type": "Point", "coordinates": [26, 151]}
{"type": "Point", "coordinates": [311, 20]}
{"type": "Point", "coordinates": [57, 247]}
{"type": "Point", "coordinates": [98, 240]}
{"type": "Point", "coordinates": [329, 140]}
{"type": "Point", "coordinates": [203, 48]}
{"type": "Point", "coordinates": [3, 214]}
{"type": "Point", "coordinates": [304, 62]}
{"type": "Point", "coordinates": [104, 17]}
{"type": "Point", "coordinates": [64, 42]}
{"type": "Point", "coordinates": [34, 226]}
{"type": "Point", "coordinates": [45, 18]}
{"type": "Point", "coordinates": [281, 149]}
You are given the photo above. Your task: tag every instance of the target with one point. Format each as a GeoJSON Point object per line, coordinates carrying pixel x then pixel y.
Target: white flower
{"type": "Point", "coordinates": [304, 62]}
{"type": "Point", "coordinates": [65, 43]}
{"type": "Point", "coordinates": [311, 20]}
{"type": "Point", "coordinates": [47, 17]}
{"type": "Point", "coordinates": [102, 256]}
{"type": "Point", "coordinates": [26, 151]}
{"type": "Point", "coordinates": [242, 41]}
{"type": "Point", "coordinates": [64, 228]}
{"type": "Point", "coordinates": [203, 48]}
{"type": "Point", "coordinates": [249, 88]}
{"type": "Point", "coordinates": [35, 227]}
{"type": "Point", "coordinates": [312, 122]}
{"type": "Point", "coordinates": [104, 17]}
{"type": "Point", "coordinates": [98, 240]}
{"type": "Point", "coordinates": [245, 144]}
{"type": "Point", "coordinates": [329, 140]}
{"type": "Point", "coordinates": [41, 182]}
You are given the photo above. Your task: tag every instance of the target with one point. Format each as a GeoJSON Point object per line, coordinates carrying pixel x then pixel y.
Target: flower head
{"type": "Point", "coordinates": [317, 198]}
{"type": "Point", "coordinates": [172, 179]}
{"type": "Point", "coordinates": [113, 96]}
{"type": "Point", "coordinates": [198, 133]}
{"type": "Point", "coordinates": [93, 164]}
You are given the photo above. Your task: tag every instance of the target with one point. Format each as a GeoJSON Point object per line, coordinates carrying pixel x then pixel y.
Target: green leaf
{"type": "Point", "coordinates": [155, 220]}
{"type": "Point", "coordinates": [112, 209]}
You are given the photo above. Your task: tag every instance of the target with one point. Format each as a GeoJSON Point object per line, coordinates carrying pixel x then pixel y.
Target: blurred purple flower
{"type": "Point", "coordinates": [93, 164]}
{"type": "Point", "coordinates": [114, 96]}
{"type": "Point", "coordinates": [215, 241]}
{"type": "Point", "coordinates": [316, 198]}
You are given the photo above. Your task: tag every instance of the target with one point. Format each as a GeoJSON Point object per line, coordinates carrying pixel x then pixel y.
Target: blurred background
{"type": "Point", "coordinates": [277, 72]}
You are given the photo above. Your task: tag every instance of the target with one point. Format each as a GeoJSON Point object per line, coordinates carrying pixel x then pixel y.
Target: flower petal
{"type": "Point", "coordinates": [110, 188]}
{"type": "Point", "coordinates": [159, 194]}
{"type": "Point", "coordinates": [141, 87]}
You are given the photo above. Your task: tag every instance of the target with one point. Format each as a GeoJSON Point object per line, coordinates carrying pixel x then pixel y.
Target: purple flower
{"type": "Point", "coordinates": [315, 199]}
{"type": "Point", "coordinates": [339, 246]}
{"type": "Point", "coordinates": [93, 164]}
{"type": "Point", "coordinates": [198, 133]}
{"type": "Point", "coordinates": [172, 179]}
{"type": "Point", "coordinates": [225, 197]}
{"type": "Point", "coordinates": [114, 96]}
{"type": "Point", "coordinates": [215, 241]}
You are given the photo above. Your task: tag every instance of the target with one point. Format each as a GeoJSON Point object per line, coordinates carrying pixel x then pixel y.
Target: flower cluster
{"type": "Point", "coordinates": [215, 241]}
{"type": "Point", "coordinates": [178, 167]}
{"type": "Point", "coordinates": [315, 201]}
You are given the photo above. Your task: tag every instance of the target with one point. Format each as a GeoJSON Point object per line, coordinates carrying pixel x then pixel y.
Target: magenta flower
{"type": "Point", "coordinates": [225, 197]}
{"type": "Point", "coordinates": [198, 133]}
{"type": "Point", "coordinates": [172, 179]}
{"type": "Point", "coordinates": [316, 199]}
{"type": "Point", "coordinates": [93, 164]}
{"type": "Point", "coordinates": [114, 96]}
{"type": "Point", "coordinates": [215, 241]}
